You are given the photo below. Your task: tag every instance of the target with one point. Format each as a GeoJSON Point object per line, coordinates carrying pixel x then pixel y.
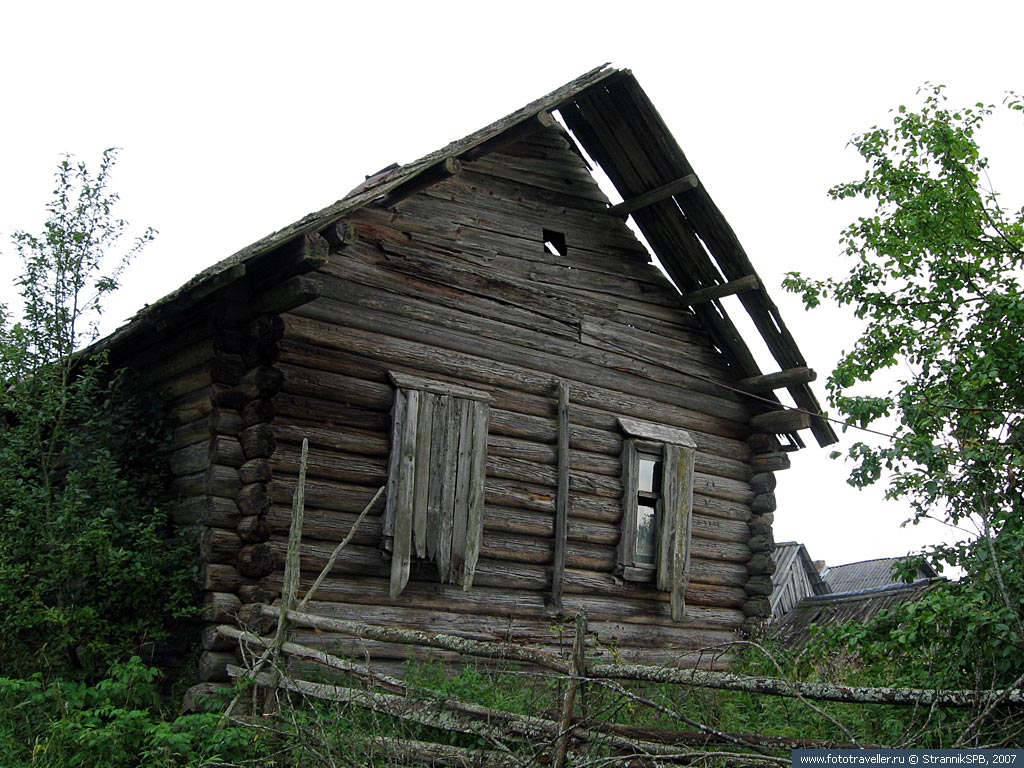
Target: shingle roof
{"type": "Point", "coordinates": [867, 574]}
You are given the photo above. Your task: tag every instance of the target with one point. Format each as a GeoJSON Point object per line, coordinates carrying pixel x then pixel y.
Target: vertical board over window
{"type": "Point", "coordinates": [657, 465]}
{"type": "Point", "coordinates": [436, 479]}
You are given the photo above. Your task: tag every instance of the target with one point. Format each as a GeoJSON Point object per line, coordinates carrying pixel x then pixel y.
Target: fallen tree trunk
{"type": "Point", "coordinates": [487, 650]}
{"type": "Point", "coordinates": [773, 686]}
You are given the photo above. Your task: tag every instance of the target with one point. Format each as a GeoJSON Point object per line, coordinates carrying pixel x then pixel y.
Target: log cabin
{"type": "Point", "coordinates": [558, 424]}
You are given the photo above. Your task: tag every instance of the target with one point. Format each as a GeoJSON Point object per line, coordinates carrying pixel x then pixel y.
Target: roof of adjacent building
{"type": "Point", "coordinates": [614, 121]}
{"type": "Point", "coordinates": [794, 629]}
{"type": "Point", "coordinates": [793, 554]}
{"type": "Point", "coordinates": [868, 574]}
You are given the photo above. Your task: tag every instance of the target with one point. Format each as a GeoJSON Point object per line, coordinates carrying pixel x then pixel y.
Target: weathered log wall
{"type": "Point", "coordinates": [455, 283]}
{"type": "Point", "coordinates": [214, 366]}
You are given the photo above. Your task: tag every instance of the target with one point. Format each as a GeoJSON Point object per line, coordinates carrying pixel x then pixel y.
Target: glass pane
{"type": "Point", "coordinates": [645, 552]}
{"type": "Point", "coordinates": [650, 475]}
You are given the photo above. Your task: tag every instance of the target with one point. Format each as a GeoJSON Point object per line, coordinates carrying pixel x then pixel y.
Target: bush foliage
{"type": "Point", "coordinates": [88, 572]}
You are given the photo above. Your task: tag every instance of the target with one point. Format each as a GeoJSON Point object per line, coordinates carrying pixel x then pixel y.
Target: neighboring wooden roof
{"type": "Point", "coordinates": [615, 122]}
{"type": "Point", "coordinates": [868, 574]}
{"type": "Point", "coordinates": [826, 610]}
{"type": "Point", "coordinates": [796, 577]}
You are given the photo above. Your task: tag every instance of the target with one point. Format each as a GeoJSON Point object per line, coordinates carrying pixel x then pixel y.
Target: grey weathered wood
{"type": "Point", "coordinates": [712, 292]}
{"type": "Point", "coordinates": [398, 410]}
{"type": "Point", "coordinates": [475, 501]}
{"type": "Point", "coordinates": [449, 463]}
{"type": "Point", "coordinates": [627, 538]}
{"type": "Point", "coordinates": [407, 381]}
{"type": "Point", "coordinates": [656, 432]}
{"type": "Point", "coordinates": [779, 380]}
{"type": "Point", "coordinates": [287, 295]}
{"type": "Point", "coordinates": [685, 184]}
{"type": "Point", "coordinates": [340, 234]}
{"type": "Point", "coordinates": [770, 462]}
{"type": "Point", "coordinates": [220, 607]}
{"type": "Point", "coordinates": [667, 566]}
{"type": "Point", "coordinates": [422, 476]}
{"type": "Point", "coordinates": [682, 532]}
{"type": "Point", "coordinates": [444, 169]}
{"type": "Point", "coordinates": [435, 513]}
{"type": "Point", "coordinates": [405, 444]}
{"type": "Point", "coordinates": [460, 478]}
{"type": "Point", "coordinates": [516, 133]}
{"type": "Point", "coordinates": [781, 422]}
{"type": "Point", "coordinates": [561, 526]}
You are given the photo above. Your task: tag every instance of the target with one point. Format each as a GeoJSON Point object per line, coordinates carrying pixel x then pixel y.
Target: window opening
{"type": "Point", "coordinates": [648, 503]}
{"type": "Point", "coordinates": [554, 242]}
{"type": "Point", "coordinates": [654, 544]}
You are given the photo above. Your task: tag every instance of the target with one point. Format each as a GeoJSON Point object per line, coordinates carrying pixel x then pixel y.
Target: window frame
{"type": "Point", "coordinates": [436, 476]}
{"type": "Point", "coordinates": [675, 450]}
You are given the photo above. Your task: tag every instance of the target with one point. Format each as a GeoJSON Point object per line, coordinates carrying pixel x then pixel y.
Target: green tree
{"type": "Point", "coordinates": [935, 276]}
{"type": "Point", "coordinates": [84, 559]}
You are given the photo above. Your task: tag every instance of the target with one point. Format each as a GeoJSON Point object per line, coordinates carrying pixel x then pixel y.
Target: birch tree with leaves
{"type": "Point", "coordinates": [935, 275]}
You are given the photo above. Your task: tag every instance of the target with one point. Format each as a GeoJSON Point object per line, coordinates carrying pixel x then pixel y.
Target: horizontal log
{"type": "Point", "coordinates": [504, 652]}
{"type": "Point", "coordinates": [220, 577]}
{"type": "Point", "coordinates": [433, 174]}
{"type": "Point", "coordinates": [191, 459]}
{"type": "Point", "coordinates": [770, 462]}
{"type": "Point", "coordinates": [258, 441]}
{"type": "Point", "coordinates": [731, 288]}
{"type": "Point", "coordinates": [212, 639]}
{"type": "Point", "coordinates": [263, 381]}
{"type": "Point", "coordinates": [780, 422]}
{"type": "Point", "coordinates": [764, 502]}
{"type": "Point", "coordinates": [258, 411]}
{"type": "Point", "coordinates": [684, 184]}
{"type": "Point", "coordinates": [763, 482]}
{"type": "Point", "coordinates": [253, 499]}
{"type": "Point", "coordinates": [341, 234]}
{"type": "Point", "coordinates": [205, 510]}
{"type": "Point", "coordinates": [220, 607]}
{"type": "Point", "coordinates": [252, 529]}
{"type": "Point", "coordinates": [255, 471]}
{"type": "Point", "coordinates": [511, 135]}
{"type": "Point", "coordinates": [287, 295]}
{"type": "Point", "coordinates": [213, 666]}
{"type": "Point", "coordinates": [470, 358]}
{"type": "Point", "coordinates": [818, 691]}
{"type": "Point", "coordinates": [227, 368]}
{"type": "Point", "coordinates": [226, 450]}
{"type": "Point", "coordinates": [225, 421]}
{"type": "Point", "coordinates": [219, 546]}
{"type": "Point", "coordinates": [769, 382]}
{"type": "Point", "coordinates": [302, 253]}
{"type": "Point", "coordinates": [256, 560]}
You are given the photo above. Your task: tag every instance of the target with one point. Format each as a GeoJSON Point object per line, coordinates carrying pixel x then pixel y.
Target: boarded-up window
{"type": "Point", "coordinates": [657, 466]}
{"type": "Point", "coordinates": [435, 495]}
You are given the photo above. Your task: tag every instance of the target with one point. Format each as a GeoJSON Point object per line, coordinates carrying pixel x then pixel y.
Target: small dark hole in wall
{"type": "Point", "coordinates": [554, 242]}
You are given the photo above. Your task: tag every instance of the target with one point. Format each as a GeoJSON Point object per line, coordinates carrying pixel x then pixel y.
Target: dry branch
{"type": "Point", "coordinates": [488, 650]}
{"type": "Point", "coordinates": [453, 715]}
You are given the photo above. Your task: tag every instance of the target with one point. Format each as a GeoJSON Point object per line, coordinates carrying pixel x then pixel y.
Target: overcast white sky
{"type": "Point", "coordinates": [236, 118]}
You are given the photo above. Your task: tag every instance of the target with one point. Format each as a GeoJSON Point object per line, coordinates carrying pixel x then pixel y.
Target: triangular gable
{"type": "Point", "coordinates": [615, 122]}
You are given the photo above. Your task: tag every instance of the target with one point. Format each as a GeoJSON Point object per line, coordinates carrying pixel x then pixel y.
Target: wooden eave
{"type": "Point", "coordinates": [618, 126]}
